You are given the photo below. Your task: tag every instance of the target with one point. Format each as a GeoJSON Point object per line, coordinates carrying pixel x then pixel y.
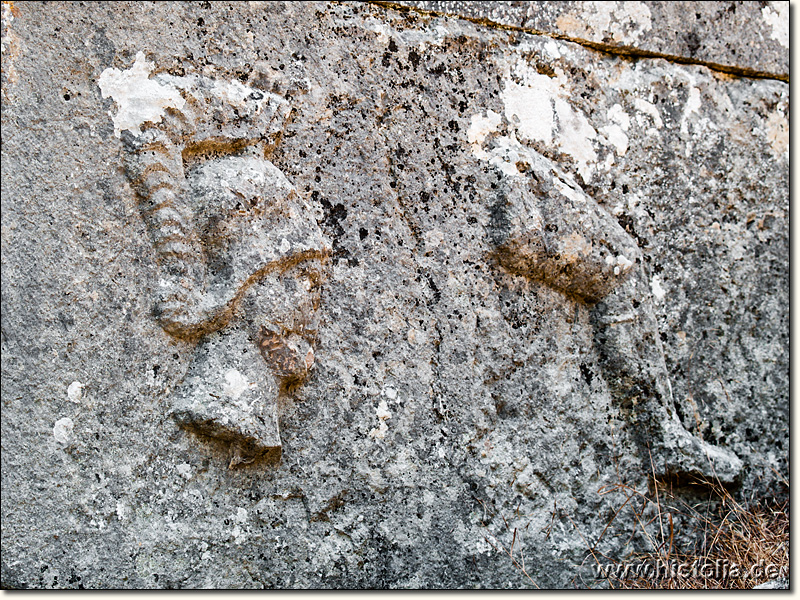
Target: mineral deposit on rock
{"type": "Point", "coordinates": [360, 295]}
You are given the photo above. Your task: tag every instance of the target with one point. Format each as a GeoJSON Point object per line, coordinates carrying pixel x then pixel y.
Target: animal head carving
{"type": "Point", "coordinates": [547, 229]}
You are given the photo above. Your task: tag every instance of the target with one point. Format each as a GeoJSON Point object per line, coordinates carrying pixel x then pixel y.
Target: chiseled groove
{"type": "Point", "coordinates": [629, 51]}
{"type": "Point", "coordinates": [157, 178]}
{"type": "Point", "coordinates": [160, 185]}
{"type": "Point", "coordinates": [148, 211]}
{"type": "Point", "coordinates": [163, 220]}
{"type": "Point", "coordinates": [161, 197]}
{"type": "Point", "coordinates": [148, 171]}
{"type": "Point", "coordinates": [169, 234]}
{"type": "Point", "coordinates": [179, 250]}
{"type": "Point", "coordinates": [218, 317]}
{"type": "Point", "coordinates": [155, 146]}
{"type": "Point", "coordinates": [179, 238]}
{"type": "Point", "coordinates": [166, 216]}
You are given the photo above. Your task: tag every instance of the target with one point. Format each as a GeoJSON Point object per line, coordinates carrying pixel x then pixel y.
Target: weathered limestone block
{"type": "Point", "coordinates": [741, 36]}
{"type": "Point", "coordinates": [433, 288]}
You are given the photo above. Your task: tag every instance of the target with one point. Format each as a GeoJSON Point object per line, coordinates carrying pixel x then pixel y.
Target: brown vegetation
{"type": "Point", "coordinates": [730, 544]}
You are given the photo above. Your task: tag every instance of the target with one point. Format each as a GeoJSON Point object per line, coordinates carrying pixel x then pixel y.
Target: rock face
{"type": "Point", "coordinates": [740, 36]}
{"type": "Point", "coordinates": [338, 295]}
{"type": "Point", "coordinates": [781, 583]}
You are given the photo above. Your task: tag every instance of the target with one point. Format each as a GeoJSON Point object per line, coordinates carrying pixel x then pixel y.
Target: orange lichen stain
{"type": "Point", "coordinates": [11, 46]}
{"type": "Point", "coordinates": [576, 247]}
{"type": "Point", "coordinates": [14, 10]}
{"type": "Point", "coordinates": [570, 25]}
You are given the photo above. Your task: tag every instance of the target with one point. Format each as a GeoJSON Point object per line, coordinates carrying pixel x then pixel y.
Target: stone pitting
{"type": "Point", "coordinates": [477, 287]}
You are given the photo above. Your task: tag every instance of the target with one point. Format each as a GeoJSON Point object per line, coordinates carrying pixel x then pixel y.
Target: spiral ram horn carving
{"type": "Point", "coordinates": [241, 258]}
{"type": "Point", "coordinates": [548, 229]}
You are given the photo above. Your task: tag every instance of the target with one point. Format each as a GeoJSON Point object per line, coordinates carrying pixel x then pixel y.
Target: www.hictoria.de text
{"type": "Point", "coordinates": [719, 569]}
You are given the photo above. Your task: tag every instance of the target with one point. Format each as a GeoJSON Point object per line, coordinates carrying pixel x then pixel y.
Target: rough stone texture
{"type": "Point", "coordinates": [781, 583]}
{"type": "Point", "coordinates": [465, 396]}
{"type": "Point", "coordinates": [747, 35]}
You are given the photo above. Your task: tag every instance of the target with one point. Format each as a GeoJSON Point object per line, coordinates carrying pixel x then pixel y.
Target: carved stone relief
{"type": "Point", "coordinates": [555, 233]}
{"type": "Point", "coordinates": [241, 257]}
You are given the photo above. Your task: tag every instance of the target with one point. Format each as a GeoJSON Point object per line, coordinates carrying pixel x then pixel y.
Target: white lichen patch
{"type": "Point", "coordinates": [658, 291]}
{"type": "Point", "coordinates": [617, 115]}
{"type": "Point", "coordinates": [567, 190]}
{"type": "Point", "coordinates": [62, 431]}
{"type": "Point", "coordinates": [506, 154]}
{"type": "Point", "coordinates": [506, 151]}
{"type": "Point", "coordinates": [184, 470]}
{"type": "Point", "coordinates": [383, 414]}
{"type": "Point", "coordinates": [623, 265]}
{"type": "Point", "coordinates": [433, 36]}
{"type": "Point", "coordinates": [536, 106]}
{"type": "Point", "coordinates": [537, 109]}
{"type": "Point", "coordinates": [75, 392]}
{"type": "Point", "coordinates": [693, 104]}
{"type": "Point", "coordinates": [777, 17]}
{"type": "Point", "coordinates": [6, 18]}
{"type": "Point", "coordinates": [236, 384]}
{"type": "Point", "coordinates": [529, 104]}
{"type": "Point", "coordinates": [383, 31]}
{"type": "Point", "coordinates": [616, 137]}
{"type": "Point", "coordinates": [649, 109]}
{"type": "Point", "coordinates": [620, 122]}
{"type": "Point", "coordinates": [575, 136]}
{"type": "Point", "coordinates": [10, 43]}
{"type": "Point", "coordinates": [139, 99]}
{"type": "Point", "coordinates": [239, 536]}
{"type": "Point", "coordinates": [551, 47]}
{"type": "Point", "coordinates": [229, 92]}
{"type": "Point", "coordinates": [623, 262]}
{"type": "Point", "coordinates": [479, 128]}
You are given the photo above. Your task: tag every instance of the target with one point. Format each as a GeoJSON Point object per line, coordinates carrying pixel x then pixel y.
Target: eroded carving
{"type": "Point", "coordinates": [241, 257]}
{"type": "Point", "coordinates": [551, 231]}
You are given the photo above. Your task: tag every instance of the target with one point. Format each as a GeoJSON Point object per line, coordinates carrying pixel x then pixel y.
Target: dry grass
{"type": "Point", "coordinates": [736, 545]}
{"type": "Point", "coordinates": [717, 543]}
